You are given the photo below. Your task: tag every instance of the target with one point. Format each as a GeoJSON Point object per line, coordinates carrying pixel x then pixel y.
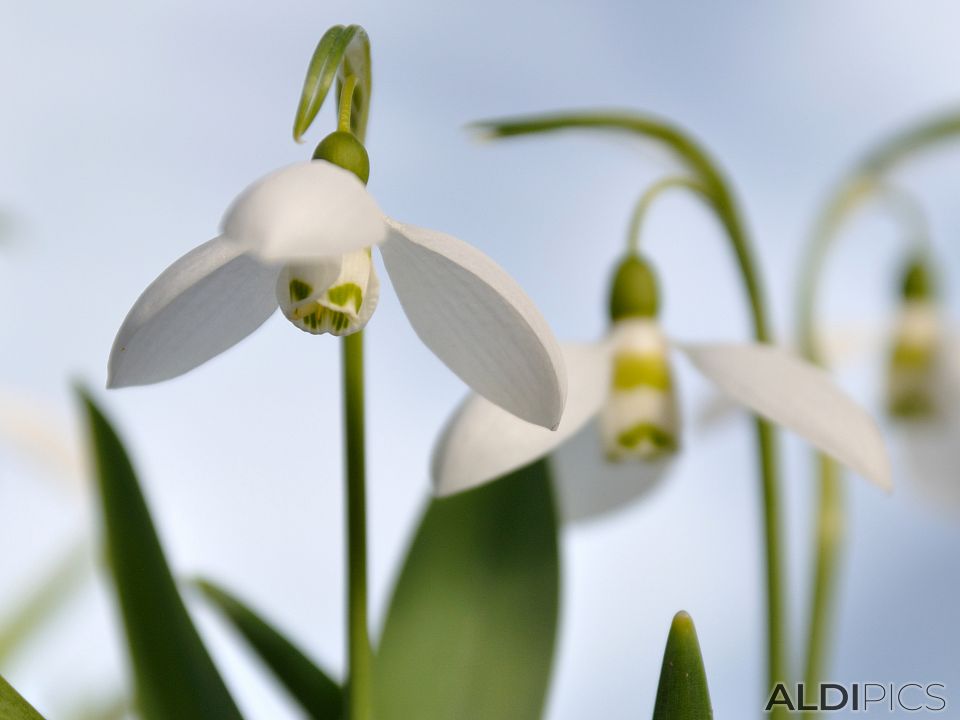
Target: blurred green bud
{"type": "Point", "coordinates": [634, 292]}
{"type": "Point", "coordinates": [918, 282]}
{"type": "Point", "coordinates": [343, 149]}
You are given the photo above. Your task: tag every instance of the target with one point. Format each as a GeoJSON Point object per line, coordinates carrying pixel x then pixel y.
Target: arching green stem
{"type": "Point", "coordinates": [646, 200]}
{"type": "Point", "coordinates": [716, 192]}
{"type": "Point", "coordinates": [866, 181]}
{"type": "Point", "coordinates": [344, 53]}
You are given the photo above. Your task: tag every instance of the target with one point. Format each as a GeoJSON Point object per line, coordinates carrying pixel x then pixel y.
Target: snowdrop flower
{"type": "Point", "coordinates": [923, 385]}
{"type": "Point", "coordinates": [621, 424]}
{"type": "Point", "coordinates": [300, 239]}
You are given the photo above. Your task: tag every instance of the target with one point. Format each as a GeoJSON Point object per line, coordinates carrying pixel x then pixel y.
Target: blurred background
{"type": "Point", "coordinates": [125, 130]}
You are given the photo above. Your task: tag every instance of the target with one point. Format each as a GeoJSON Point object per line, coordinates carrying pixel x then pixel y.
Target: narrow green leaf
{"type": "Point", "coordinates": [472, 623]}
{"type": "Point", "coordinates": [14, 707]}
{"type": "Point", "coordinates": [683, 693]}
{"type": "Point", "coordinates": [319, 696]}
{"type": "Point", "coordinates": [174, 675]}
{"type": "Point", "coordinates": [114, 707]}
{"type": "Point", "coordinates": [342, 51]}
{"type": "Point", "coordinates": [42, 603]}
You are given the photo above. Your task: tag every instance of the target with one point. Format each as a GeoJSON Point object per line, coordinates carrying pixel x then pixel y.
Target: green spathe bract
{"type": "Point", "coordinates": [318, 695]}
{"type": "Point", "coordinates": [173, 673]}
{"type": "Point", "coordinates": [13, 706]}
{"type": "Point", "coordinates": [471, 627]}
{"type": "Point", "coordinates": [341, 52]}
{"type": "Point", "coordinates": [682, 693]}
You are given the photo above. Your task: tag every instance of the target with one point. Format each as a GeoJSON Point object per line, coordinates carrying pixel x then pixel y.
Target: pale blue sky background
{"type": "Point", "coordinates": [125, 130]}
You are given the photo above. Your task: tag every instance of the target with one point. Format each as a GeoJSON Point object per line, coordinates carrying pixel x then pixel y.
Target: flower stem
{"type": "Point", "coordinates": [346, 103]}
{"type": "Point", "coordinates": [864, 182]}
{"type": "Point", "coordinates": [360, 656]}
{"type": "Point", "coordinates": [828, 541]}
{"type": "Point", "coordinates": [646, 200]}
{"type": "Point", "coordinates": [715, 190]}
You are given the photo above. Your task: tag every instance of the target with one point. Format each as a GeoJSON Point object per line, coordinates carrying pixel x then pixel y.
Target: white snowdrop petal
{"type": "Point", "coordinates": [588, 486]}
{"type": "Point", "coordinates": [207, 301]}
{"type": "Point", "coordinates": [799, 396]}
{"type": "Point", "coordinates": [478, 321]}
{"type": "Point", "coordinates": [303, 212]}
{"type": "Point", "coordinates": [482, 442]}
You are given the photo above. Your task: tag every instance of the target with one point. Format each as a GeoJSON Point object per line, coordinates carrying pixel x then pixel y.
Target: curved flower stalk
{"type": "Point", "coordinates": [869, 181]}
{"type": "Point", "coordinates": [302, 239]}
{"type": "Point", "coordinates": [747, 373]}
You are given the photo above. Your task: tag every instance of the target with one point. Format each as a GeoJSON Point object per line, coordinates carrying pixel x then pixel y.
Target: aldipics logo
{"type": "Point", "coordinates": [860, 697]}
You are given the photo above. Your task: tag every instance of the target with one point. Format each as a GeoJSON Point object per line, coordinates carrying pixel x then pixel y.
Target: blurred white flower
{"type": "Point", "coordinates": [300, 239]}
{"type": "Point", "coordinates": [923, 386]}
{"type": "Point", "coordinates": [621, 395]}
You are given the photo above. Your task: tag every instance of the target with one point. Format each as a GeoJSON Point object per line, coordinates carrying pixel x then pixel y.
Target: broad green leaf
{"type": "Point", "coordinates": [317, 694]}
{"type": "Point", "coordinates": [42, 603]}
{"type": "Point", "coordinates": [341, 52]}
{"type": "Point", "coordinates": [14, 707]}
{"type": "Point", "coordinates": [472, 623]}
{"type": "Point", "coordinates": [682, 694]}
{"type": "Point", "coordinates": [174, 675]}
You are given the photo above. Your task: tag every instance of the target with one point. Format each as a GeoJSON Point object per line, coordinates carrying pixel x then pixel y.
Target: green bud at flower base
{"type": "Point", "coordinates": [634, 292]}
{"type": "Point", "coordinates": [918, 281]}
{"type": "Point", "coordinates": [343, 149]}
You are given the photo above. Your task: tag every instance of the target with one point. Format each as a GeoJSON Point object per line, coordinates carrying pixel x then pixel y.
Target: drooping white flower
{"type": "Point", "coordinates": [620, 426]}
{"type": "Point", "coordinates": [301, 239]}
{"type": "Point", "coordinates": [923, 386]}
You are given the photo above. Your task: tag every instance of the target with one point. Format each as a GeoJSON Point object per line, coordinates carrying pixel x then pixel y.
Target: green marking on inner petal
{"type": "Point", "coordinates": [913, 356]}
{"type": "Point", "coordinates": [660, 441]}
{"type": "Point", "coordinates": [913, 406]}
{"type": "Point", "coordinates": [342, 295]}
{"type": "Point", "coordinates": [632, 370]}
{"type": "Point", "coordinates": [299, 290]}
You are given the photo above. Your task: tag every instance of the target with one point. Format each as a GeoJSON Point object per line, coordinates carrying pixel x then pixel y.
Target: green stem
{"type": "Point", "coordinates": [346, 103]}
{"type": "Point", "coordinates": [828, 539]}
{"type": "Point", "coordinates": [359, 653]}
{"type": "Point", "coordinates": [865, 181]}
{"type": "Point", "coordinates": [646, 200]}
{"type": "Point", "coordinates": [715, 189]}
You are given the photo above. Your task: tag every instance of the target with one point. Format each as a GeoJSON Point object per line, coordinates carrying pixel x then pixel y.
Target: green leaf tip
{"type": "Point", "coordinates": [13, 706]}
{"type": "Point", "coordinates": [682, 693]}
{"type": "Point", "coordinates": [318, 695]}
{"type": "Point", "coordinates": [173, 672]}
{"type": "Point", "coordinates": [341, 52]}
